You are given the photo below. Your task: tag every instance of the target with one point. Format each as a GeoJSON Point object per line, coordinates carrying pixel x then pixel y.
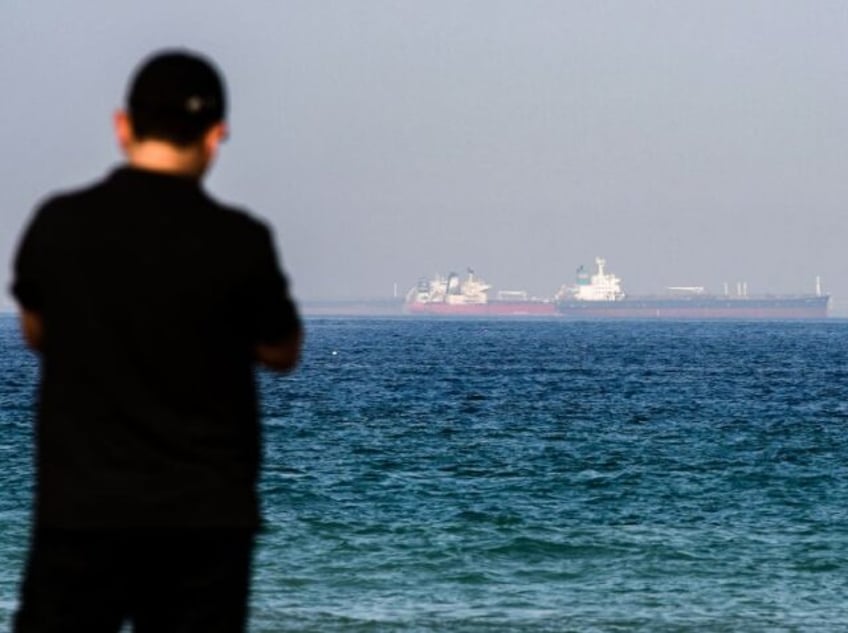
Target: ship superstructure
{"type": "Point", "coordinates": [600, 286]}
{"type": "Point", "coordinates": [450, 290]}
{"type": "Point", "coordinates": [452, 296]}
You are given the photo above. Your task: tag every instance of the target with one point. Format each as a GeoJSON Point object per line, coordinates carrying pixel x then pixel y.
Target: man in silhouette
{"type": "Point", "coordinates": [149, 303]}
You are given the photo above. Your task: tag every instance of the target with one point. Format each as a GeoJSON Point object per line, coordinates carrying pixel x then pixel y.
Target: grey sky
{"type": "Point", "coordinates": [689, 142]}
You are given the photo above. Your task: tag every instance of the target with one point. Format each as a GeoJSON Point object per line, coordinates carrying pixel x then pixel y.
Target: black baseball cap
{"type": "Point", "coordinates": [177, 88]}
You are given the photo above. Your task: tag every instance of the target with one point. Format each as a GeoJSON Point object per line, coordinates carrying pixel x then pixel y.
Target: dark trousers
{"type": "Point", "coordinates": [160, 580]}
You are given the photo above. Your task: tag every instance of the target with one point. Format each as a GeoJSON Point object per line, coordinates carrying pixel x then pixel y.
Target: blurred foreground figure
{"type": "Point", "coordinates": [149, 303]}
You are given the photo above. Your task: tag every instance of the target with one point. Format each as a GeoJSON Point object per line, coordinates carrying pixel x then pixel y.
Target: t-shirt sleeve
{"type": "Point", "coordinates": [273, 314]}
{"type": "Point", "coordinates": [29, 264]}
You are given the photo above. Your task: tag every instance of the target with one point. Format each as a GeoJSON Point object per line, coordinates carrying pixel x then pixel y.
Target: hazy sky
{"type": "Point", "coordinates": [688, 142]}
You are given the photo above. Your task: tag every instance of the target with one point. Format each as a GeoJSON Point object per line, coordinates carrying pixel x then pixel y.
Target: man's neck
{"type": "Point", "coordinates": [160, 156]}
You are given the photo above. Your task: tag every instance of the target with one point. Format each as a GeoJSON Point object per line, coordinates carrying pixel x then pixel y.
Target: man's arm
{"type": "Point", "coordinates": [275, 325]}
{"type": "Point", "coordinates": [282, 356]}
{"type": "Point", "coordinates": [32, 327]}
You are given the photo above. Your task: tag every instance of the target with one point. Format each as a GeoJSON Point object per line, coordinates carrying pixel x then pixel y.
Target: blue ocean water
{"type": "Point", "coordinates": [470, 476]}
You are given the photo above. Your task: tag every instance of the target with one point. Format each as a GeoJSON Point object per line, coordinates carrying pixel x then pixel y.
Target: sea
{"type": "Point", "coordinates": [516, 475]}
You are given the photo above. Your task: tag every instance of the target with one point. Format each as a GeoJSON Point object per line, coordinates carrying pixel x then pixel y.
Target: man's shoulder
{"type": "Point", "coordinates": [239, 219]}
{"type": "Point", "coordinates": [81, 194]}
{"type": "Point", "coordinates": [56, 205]}
{"type": "Point", "coordinates": [91, 200]}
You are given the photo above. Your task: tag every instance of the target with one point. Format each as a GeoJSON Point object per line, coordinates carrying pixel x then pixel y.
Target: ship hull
{"type": "Point", "coordinates": [764, 308]}
{"type": "Point", "coordinates": [491, 309]}
{"type": "Point", "coordinates": [753, 308]}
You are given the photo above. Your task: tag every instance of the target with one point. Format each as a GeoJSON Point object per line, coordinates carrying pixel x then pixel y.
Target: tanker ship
{"type": "Point", "coordinates": [599, 296]}
{"type": "Point", "coordinates": [451, 296]}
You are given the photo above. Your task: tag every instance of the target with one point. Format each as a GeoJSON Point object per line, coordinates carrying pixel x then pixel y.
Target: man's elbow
{"type": "Point", "coordinates": [32, 328]}
{"type": "Point", "coordinates": [283, 356]}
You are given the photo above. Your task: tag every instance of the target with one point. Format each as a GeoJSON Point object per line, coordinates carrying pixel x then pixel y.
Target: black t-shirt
{"type": "Point", "coordinates": [153, 298]}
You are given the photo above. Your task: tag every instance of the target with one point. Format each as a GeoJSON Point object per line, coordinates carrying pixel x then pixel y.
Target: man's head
{"type": "Point", "coordinates": [175, 103]}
